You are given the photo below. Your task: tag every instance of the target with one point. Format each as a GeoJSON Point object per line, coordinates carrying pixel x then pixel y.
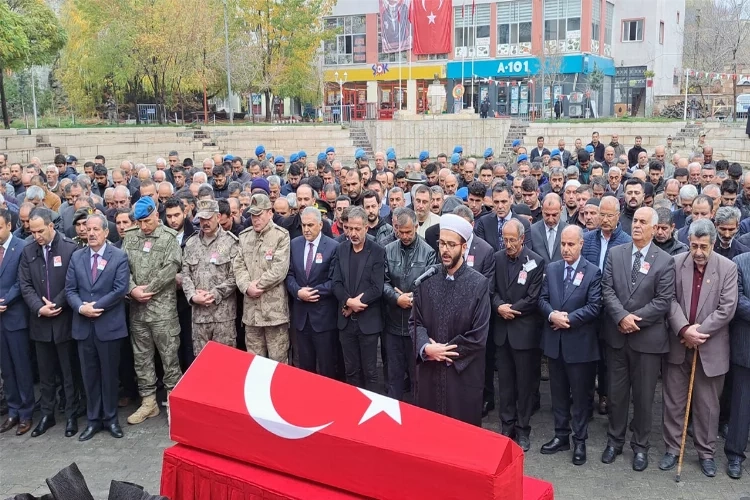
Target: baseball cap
{"type": "Point", "coordinates": [258, 203]}
{"type": "Point", "coordinates": [207, 208]}
{"type": "Point", "coordinates": [70, 159]}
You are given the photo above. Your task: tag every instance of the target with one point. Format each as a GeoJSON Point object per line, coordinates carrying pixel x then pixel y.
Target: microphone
{"type": "Point", "coordinates": [431, 271]}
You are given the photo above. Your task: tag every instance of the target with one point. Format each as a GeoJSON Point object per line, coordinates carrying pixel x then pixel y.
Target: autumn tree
{"type": "Point", "coordinates": [30, 35]}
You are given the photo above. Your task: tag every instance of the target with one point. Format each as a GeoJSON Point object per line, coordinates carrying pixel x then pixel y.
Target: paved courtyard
{"type": "Point", "coordinates": [26, 462]}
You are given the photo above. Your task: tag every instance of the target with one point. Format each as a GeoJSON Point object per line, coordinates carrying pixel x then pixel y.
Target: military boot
{"type": "Point", "coordinates": [148, 409]}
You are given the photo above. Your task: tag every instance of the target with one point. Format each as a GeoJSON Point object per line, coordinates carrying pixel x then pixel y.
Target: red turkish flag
{"type": "Point", "coordinates": [432, 21]}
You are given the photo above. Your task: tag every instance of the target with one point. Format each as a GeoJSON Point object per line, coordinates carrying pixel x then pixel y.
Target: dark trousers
{"type": "Point", "coordinates": [99, 364]}
{"type": "Point", "coordinates": [316, 350]}
{"type": "Point", "coordinates": [601, 370]}
{"type": "Point", "coordinates": [725, 401]}
{"type": "Point", "coordinates": [571, 381]}
{"type": "Point", "coordinates": [185, 316]}
{"type": "Point", "coordinates": [53, 359]}
{"type": "Point", "coordinates": [517, 374]}
{"type": "Point", "coordinates": [629, 370]}
{"type": "Point", "coordinates": [400, 363]}
{"type": "Point", "coordinates": [15, 359]}
{"type": "Point", "coordinates": [739, 414]}
{"type": "Point", "coordinates": [126, 370]}
{"type": "Point", "coordinates": [489, 370]}
{"type": "Point", "coordinates": [360, 356]}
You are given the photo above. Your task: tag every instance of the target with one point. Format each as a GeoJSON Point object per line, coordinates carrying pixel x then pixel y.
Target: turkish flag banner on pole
{"type": "Point", "coordinates": [432, 22]}
{"type": "Point", "coordinates": [260, 412]}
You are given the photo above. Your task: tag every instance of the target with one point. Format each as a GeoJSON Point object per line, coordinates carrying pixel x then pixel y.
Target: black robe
{"type": "Point", "coordinates": [452, 312]}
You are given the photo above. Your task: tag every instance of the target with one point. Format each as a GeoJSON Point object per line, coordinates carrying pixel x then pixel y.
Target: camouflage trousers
{"type": "Point", "coordinates": [271, 342]}
{"type": "Point", "coordinates": [147, 338]}
{"type": "Point", "coordinates": [223, 332]}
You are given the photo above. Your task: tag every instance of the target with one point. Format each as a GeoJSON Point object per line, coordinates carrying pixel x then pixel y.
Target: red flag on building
{"type": "Point", "coordinates": [432, 21]}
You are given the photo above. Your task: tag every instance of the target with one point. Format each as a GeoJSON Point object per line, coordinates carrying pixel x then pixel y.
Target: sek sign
{"type": "Point", "coordinates": [495, 68]}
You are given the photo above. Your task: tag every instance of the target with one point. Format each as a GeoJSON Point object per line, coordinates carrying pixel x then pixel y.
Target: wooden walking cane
{"type": "Point", "coordinates": [687, 414]}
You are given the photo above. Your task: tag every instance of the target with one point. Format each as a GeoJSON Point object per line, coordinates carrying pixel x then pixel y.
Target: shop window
{"type": "Point", "coordinates": [472, 30]}
{"type": "Point", "coordinates": [349, 46]}
{"type": "Point", "coordinates": [562, 25]}
{"type": "Point", "coordinates": [514, 28]}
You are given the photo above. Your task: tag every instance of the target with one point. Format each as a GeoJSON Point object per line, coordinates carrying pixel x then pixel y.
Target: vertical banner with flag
{"type": "Point", "coordinates": [395, 26]}
{"type": "Point", "coordinates": [432, 21]}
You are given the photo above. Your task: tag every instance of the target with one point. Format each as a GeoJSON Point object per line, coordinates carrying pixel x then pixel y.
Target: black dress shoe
{"type": "Point", "coordinates": [524, 442]}
{"type": "Point", "coordinates": [734, 468]}
{"type": "Point", "coordinates": [708, 467]}
{"type": "Point", "coordinates": [668, 461]}
{"type": "Point", "coordinates": [8, 424]}
{"type": "Point", "coordinates": [115, 430]}
{"type": "Point", "coordinates": [609, 454]}
{"type": "Point", "coordinates": [555, 445]}
{"type": "Point", "coordinates": [487, 407]}
{"type": "Point", "coordinates": [90, 431]}
{"type": "Point", "coordinates": [579, 454]}
{"type": "Point", "coordinates": [640, 462]}
{"type": "Point", "coordinates": [71, 427]}
{"type": "Point", "coordinates": [45, 423]}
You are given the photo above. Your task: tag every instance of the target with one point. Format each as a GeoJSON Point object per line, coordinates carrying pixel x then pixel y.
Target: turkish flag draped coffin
{"type": "Point", "coordinates": [432, 21]}
{"type": "Point", "coordinates": [255, 410]}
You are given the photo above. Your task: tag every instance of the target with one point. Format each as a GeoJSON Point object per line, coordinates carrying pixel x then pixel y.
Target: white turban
{"type": "Point", "coordinates": [459, 225]}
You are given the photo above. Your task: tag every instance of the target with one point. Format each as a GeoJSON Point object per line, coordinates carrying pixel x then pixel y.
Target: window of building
{"type": "Point", "coordinates": [562, 25]}
{"type": "Point", "coordinates": [472, 30]}
{"type": "Point", "coordinates": [632, 31]}
{"type": "Point", "coordinates": [609, 27]}
{"type": "Point", "coordinates": [678, 17]}
{"type": "Point", "coordinates": [402, 56]}
{"type": "Point", "coordinates": [514, 28]}
{"type": "Point", "coordinates": [596, 17]}
{"type": "Point", "coordinates": [661, 32]}
{"type": "Point", "coordinates": [349, 46]}
{"type": "Point", "coordinates": [432, 57]}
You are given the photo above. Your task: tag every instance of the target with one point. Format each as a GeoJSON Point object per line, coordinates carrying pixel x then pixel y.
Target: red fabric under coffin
{"type": "Point", "coordinates": [336, 434]}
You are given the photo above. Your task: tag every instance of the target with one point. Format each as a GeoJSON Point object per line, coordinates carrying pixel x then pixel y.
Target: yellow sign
{"type": "Point", "coordinates": [385, 72]}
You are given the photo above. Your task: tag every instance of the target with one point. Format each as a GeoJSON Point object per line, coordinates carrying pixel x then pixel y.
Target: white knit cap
{"type": "Point", "coordinates": [458, 225]}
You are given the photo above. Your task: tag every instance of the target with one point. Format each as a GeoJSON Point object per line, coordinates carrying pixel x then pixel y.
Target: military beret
{"type": "Point", "coordinates": [144, 207]}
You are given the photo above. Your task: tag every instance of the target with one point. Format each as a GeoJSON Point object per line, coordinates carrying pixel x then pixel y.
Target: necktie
{"type": "Point", "coordinates": [636, 267]}
{"type": "Point", "coordinates": [309, 261]}
{"type": "Point", "coordinates": [500, 242]}
{"type": "Point", "coordinates": [48, 259]}
{"type": "Point", "coordinates": [94, 270]}
{"type": "Point", "coordinates": [568, 276]}
{"type": "Point", "coordinates": [2, 254]}
{"type": "Point", "coordinates": [551, 242]}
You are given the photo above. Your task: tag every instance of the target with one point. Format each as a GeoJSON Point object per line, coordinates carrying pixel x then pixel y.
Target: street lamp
{"type": "Point", "coordinates": [341, 85]}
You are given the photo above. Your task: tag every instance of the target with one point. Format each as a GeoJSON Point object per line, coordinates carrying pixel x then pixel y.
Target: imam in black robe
{"type": "Point", "coordinates": [452, 312]}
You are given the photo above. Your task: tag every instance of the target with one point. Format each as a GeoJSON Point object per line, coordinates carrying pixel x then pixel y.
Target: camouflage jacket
{"type": "Point", "coordinates": [264, 257]}
{"type": "Point", "coordinates": [154, 261]}
{"type": "Point", "coordinates": [207, 265]}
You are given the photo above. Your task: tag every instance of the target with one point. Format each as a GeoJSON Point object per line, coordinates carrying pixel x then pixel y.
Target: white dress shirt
{"type": "Point", "coordinates": [644, 252]}
{"type": "Point", "coordinates": [315, 243]}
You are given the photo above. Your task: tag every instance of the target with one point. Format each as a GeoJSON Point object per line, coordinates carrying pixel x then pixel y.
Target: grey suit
{"type": "Point", "coordinates": [739, 411]}
{"type": "Point", "coordinates": [634, 359]}
{"type": "Point", "coordinates": [716, 305]}
{"type": "Point", "coordinates": [539, 244]}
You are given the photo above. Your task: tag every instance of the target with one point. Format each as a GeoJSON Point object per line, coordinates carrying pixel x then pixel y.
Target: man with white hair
{"type": "Point", "coordinates": [688, 193]}
{"type": "Point", "coordinates": [208, 168]}
{"type": "Point", "coordinates": [161, 164]}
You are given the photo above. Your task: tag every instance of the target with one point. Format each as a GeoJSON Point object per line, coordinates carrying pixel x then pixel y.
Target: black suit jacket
{"type": "Point", "coordinates": [486, 228]}
{"type": "Point", "coordinates": [369, 282]}
{"type": "Point", "coordinates": [582, 302]}
{"type": "Point", "coordinates": [34, 278]}
{"type": "Point", "coordinates": [523, 331]}
{"type": "Point", "coordinates": [321, 314]}
{"type": "Point", "coordinates": [538, 239]}
{"type": "Point", "coordinates": [481, 257]}
{"type": "Point", "coordinates": [293, 224]}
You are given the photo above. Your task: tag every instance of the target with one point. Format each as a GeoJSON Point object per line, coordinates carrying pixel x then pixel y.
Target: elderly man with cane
{"type": "Point", "coordinates": [704, 304]}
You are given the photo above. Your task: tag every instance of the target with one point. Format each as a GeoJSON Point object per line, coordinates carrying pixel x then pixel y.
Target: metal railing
{"type": "Point", "coordinates": [347, 113]}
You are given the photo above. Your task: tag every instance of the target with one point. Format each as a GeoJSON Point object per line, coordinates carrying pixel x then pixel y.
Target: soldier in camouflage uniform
{"type": "Point", "coordinates": [260, 269]}
{"type": "Point", "coordinates": [79, 224]}
{"type": "Point", "coordinates": [155, 259]}
{"type": "Point", "coordinates": [208, 279]}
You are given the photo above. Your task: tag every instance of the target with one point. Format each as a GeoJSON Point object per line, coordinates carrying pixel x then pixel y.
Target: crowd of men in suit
{"type": "Point", "coordinates": [607, 269]}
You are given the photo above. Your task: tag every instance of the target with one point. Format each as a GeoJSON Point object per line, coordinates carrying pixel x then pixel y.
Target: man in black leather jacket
{"type": "Point", "coordinates": [406, 259]}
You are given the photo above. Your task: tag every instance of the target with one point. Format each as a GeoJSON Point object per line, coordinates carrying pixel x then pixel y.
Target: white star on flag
{"type": "Point", "coordinates": [380, 404]}
{"type": "Point", "coordinates": [431, 18]}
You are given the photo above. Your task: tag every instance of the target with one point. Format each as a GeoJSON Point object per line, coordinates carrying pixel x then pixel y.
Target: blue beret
{"type": "Point", "coordinates": [279, 159]}
{"type": "Point", "coordinates": [330, 149]}
{"type": "Point", "coordinates": [590, 149]}
{"type": "Point", "coordinates": [260, 150]}
{"type": "Point", "coordinates": [390, 156]}
{"type": "Point", "coordinates": [228, 157]}
{"type": "Point", "coordinates": [488, 152]}
{"type": "Point", "coordinates": [463, 193]}
{"type": "Point", "coordinates": [516, 143]}
{"type": "Point", "coordinates": [390, 150]}
{"type": "Point", "coordinates": [522, 157]}
{"type": "Point", "coordinates": [359, 153]}
{"type": "Point", "coordinates": [260, 183]}
{"type": "Point", "coordinates": [555, 152]}
{"type": "Point", "coordinates": [302, 154]}
{"type": "Point", "coordinates": [455, 158]}
{"type": "Point", "coordinates": [458, 149]}
{"type": "Point", "coordinates": [293, 157]}
{"type": "Point", "coordinates": [143, 207]}
{"type": "Point", "coordinates": [269, 155]}
{"type": "Point", "coordinates": [322, 157]}
{"type": "Point", "coordinates": [424, 155]}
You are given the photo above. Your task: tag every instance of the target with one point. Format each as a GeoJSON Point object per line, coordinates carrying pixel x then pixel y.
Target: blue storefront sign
{"type": "Point", "coordinates": [523, 67]}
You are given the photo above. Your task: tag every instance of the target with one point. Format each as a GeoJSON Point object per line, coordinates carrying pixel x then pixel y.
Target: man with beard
{"type": "Point", "coordinates": [449, 324]}
{"type": "Point", "coordinates": [101, 183]}
{"type": "Point", "coordinates": [727, 222]}
{"type": "Point", "coordinates": [405, 260]}
{"type": "Point", "coordinates": [635, 151]}
{"type": "Point", "coordinates": [634, 194]}
{"type": "Point", "coordinates": [219, 183]}
{"type": "Point", "coordinates": [615, 144]}
{"type": "Point", "coordinates": [353, 183]}
{"type": "Point", "coordinates": [610, 160]}
{"type": "Point", "coordinates": [570, 201]}
{"type": "Point", "coordinates": [530, 193]}
{"type": "Point", "coordinates": [664, 234]}
{"type": "Point", "coordinates": [656, 175]}
{"type": "Point", "coordinates": [451, 184]}
{"type": "Point", "coordinates": [421, 204]}
{"type": "Point", "coordinates": [180, 177]}
{"type": "Point", "coordinates": [437, 198]}
{"type": "Point", "coordinates": [672, 193]}
{"type": "Point", "coordinates": [556, 182]}
{"type": "Point", "coordinates": [342, 202]}
{"type": "Point", "coordinates": [475, 199]}
{"type": "Point", "coordinates": [15, 179]}
{"type": "Point", "coordinates": [294, 176]}
{"type": "Point", "coordinates": [376, 227]}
